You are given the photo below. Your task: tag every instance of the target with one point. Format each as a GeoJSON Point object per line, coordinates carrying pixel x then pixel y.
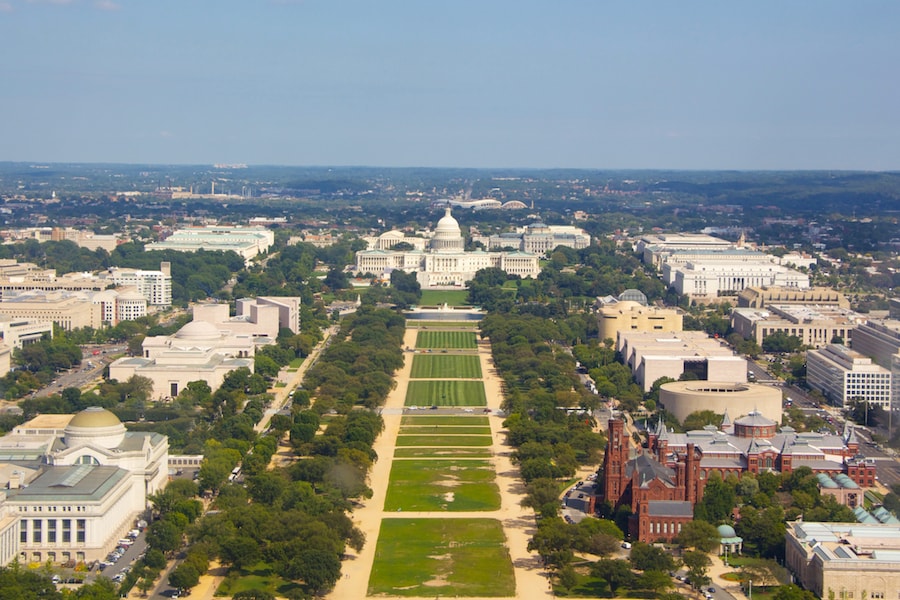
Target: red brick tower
{"type": "Point", "coordinates": [614, 462]}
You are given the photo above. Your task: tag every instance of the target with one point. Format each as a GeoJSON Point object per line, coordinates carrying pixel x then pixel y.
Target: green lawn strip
{"type": "Point", "coordinates": [445, 393]}
{"type": "Point", "coordinates": [444, 441]}
{"type": "Point", "coordinates": [444, 558]}
{"type": "Point", "coordinates": [401, 453]}
{"type": "Point", "coordinates": [259, 577]}
{"type": "Point", "coordinates": [446, 366]}
{"type": "Point", "coordinates": [444, 420]}
{"type": "Point", "coordinates": [440, 297]}
{"type": "Point", "coordinates": [446, 339]}
{"type": "Point", "coordinates": [413, 323]}
{"type": "Point", "coordinates": [436, 484]}
{"type": "Point", "coordinates": [444, 430]}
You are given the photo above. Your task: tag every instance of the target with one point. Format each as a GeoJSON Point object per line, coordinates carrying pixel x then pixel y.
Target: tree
{"type": "Point", "coordinates": [763, 531]}
{"type": "Point", "coordinates": [718, 500]}
{"type": "Point", "coordinates": [240, 551]}
{"type": "Point", "coordinates": [702, 418]}
{"type": "Point", "coordinates": [144, 585]}
{"type": "Point", "coordinates": [697, 563]}
{"type": "Point", "coordinates": [655, 580]}
{"type": "Point", "coordinates": [18, 583]}
{"type": "Point", "coordinates": [253, 595]}
{"type": "Point", "coordinates": [698, 535]}
{"type": "Point", "coordinates": [645, 557]}
{"type": "Point", "coordinates": [100, 589]}
{"type": "Point", "coordinates": [542, 495]}
{"type": "Point", "coordinates": [184, 577]}
{"type": "Point", "coordinates": [781, 342]}
{"type": "Point", "coordinates": [615, 572]}
{"type": "Point", "coordinates": [164, 535]}
{"type": "Point", "coordinates": [316, 567]}
{"type": "Point", "coordinates": [553, 541]}
{"type": "Point", "coordinates": [567, 577]}
{"type": "Point", "coordinates": [792, 592]}
{"type": "Point", "coordinates": [155, 559]}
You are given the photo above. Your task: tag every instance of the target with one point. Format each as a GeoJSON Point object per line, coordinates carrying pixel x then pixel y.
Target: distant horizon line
{"type": "Point", "coordinates": [242, 166]}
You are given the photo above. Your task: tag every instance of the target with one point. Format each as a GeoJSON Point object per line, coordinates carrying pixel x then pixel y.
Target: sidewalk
{"type": "Point", "coordinates": [716, 570]}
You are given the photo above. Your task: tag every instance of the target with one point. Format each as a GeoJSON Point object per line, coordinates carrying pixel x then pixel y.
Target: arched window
{"type": "Point", "coordinates": [87, 459]}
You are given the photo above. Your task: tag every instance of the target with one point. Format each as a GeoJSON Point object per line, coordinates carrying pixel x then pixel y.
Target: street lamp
{"type": "Point", "coordinates": [750, 595]}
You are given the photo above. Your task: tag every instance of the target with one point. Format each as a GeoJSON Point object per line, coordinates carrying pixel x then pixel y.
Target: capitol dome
{"type": "Point", "coordinates": [447, 234]}
{"type": "Point", "coordinates": [97, 425]}
{"type": "Point", "coordinates": [198, 331]}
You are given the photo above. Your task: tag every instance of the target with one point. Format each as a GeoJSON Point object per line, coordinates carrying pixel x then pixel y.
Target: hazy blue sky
{"type": "Point", "coordinates": [594, 84]}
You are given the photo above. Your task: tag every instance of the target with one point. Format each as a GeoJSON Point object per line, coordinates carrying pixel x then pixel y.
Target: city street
{"type": "Point", "coordinates": [91, 368]}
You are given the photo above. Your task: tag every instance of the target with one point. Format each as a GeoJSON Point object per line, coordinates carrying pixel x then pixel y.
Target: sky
{"type": "Point", "coordinates": [489, 83]}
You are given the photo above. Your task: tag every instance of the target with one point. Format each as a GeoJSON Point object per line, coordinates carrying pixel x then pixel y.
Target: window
{"type": "Point", "coordinates": [80, 531]}
{"type": "Point", "coordinates": [66, 531]}
{"type": "Point", "coordinates": [87, 460]}
{"type": "Point", "coordinates": [51, 531]}
{"type": "Point", "coordinates": [23, 531]}
{"type": "Point", "coordinates": [36, 536]}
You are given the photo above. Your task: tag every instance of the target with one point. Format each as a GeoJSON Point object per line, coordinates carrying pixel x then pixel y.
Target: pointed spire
{"type": "Point", "coordinates": [726, 420]}
{"type": "Point", "coordinates": [753, 448]}
{"type": "Point", "coordinates": [849, 434]}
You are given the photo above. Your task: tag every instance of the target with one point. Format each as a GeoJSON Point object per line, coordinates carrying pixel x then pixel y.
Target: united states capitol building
{"type": "Point", "coordinates": [440, 260]}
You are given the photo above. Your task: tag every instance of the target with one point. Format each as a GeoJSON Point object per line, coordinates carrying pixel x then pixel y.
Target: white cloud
{"type": "Point", "coordinates": [6, 7]}
{"type": "Point", "coordinates": [107, 5]}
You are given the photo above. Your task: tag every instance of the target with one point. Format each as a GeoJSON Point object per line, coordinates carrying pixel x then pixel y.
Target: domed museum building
{"type": "Point", "coordinates": [72, 485]}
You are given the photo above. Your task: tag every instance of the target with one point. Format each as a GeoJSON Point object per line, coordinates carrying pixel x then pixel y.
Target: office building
{"type": "Point", "coordinates": [814, 325]}
{"type": "Point", "coordinates": [652, 355]}
{"type": "Point", "coordinates": [248, 242]}
{"type": "Point", "coordinates": [68, 310]}
{"type": "Point", "coordinates": [155, 286]}
{"type": "Point", "coordinates": [844, 376]}
{"type": "Point", "coordinates": [538, 238]}
{"type": "Point", "coordinates": [880, 340]}
{"type": "Point", "coordinates": [845, 561]}
{"type": "Point", "coordinates": [18, 332]}
{"type": "Point", "coordinates": [709, 281]}
{"type": "Point", "coordinates": [760, 297]}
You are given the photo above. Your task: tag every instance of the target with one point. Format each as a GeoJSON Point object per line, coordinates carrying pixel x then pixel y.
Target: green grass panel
{"type": "Point", "coordinates": [464, 340]}
{"type": "Point", "coordinates": [444, 430]}
{"type": "Point", "coordinates": [401, 453]}
{"type": "Point", "coordinates": [444, 420]}
{"type": "Point", "coordinates": [446, 393]}
{"type": "Point", "coordinates": [442, 485]}
{"type": "Point", "coordinates": [444, 558]}
{"type": "Point", "coordinates": [446, 366]}
{"type": "Point", "coordinates": [443, 441]}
